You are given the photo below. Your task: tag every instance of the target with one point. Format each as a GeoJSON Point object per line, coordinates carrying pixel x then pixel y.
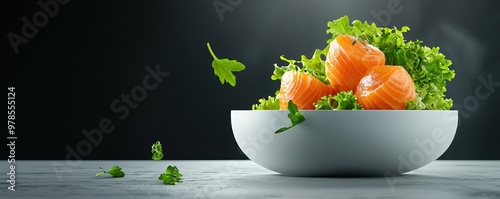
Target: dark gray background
{"type": "Point", "coordinates": [91, 52]}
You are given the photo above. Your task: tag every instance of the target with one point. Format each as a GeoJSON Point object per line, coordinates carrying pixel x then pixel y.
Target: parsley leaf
{"type": "Point", "coordinates": [295, 116]}
{"type": "Point", "coordinates": [156, 150]}
{"type": "Point", "coordinates": [171, 176]}
{"type": "Point", "coordinates": [344, 100]}
{"type": "Point", "coordinates": [224, 68]}
{"type": "Point", "coordinates": [115, 171]}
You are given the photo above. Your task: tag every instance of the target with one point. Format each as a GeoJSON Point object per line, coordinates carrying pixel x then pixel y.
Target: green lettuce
{"type": "Point", "coordinates": [271, 103]}
{"type": "Point", "coordinates": [344, 100]}
{"type": "Point", "coordinates": [428, 67]}
{"type": "Point", "coordinates": [315, 66]}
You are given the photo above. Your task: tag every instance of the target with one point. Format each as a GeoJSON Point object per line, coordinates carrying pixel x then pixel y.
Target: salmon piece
{"type": "Point", "coordinates": [385, 87]}
{"type": "Point", "coordinates": [303, 89]}
{"type": "Point", "coordinates": [347, 61]}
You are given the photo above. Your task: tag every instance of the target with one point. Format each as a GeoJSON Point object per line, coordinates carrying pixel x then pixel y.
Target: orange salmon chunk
{"type": "Point", "coordinates": [303, 89]}
{"type": "Point", "coordinates": [347, 61]}
{"type": "Point", "coordinates": [385, 87]}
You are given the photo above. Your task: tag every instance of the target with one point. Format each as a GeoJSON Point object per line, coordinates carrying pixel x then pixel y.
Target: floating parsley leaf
{"type": "Point", "coordinates": [156, 150]}
{"type": "Point", "coordinates": [224, 68]}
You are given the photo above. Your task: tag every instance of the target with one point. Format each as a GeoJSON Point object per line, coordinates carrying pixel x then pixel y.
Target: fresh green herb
{"type": "Point", "coordinates": [344, 100]}
{"type": "Point", "coordinates": [157, 151]}
{"type": "Point", "coordinates": [428, 67]}
{"type": "Point", "coordinates": [280, 70]}
{"type": "Point", "coordinates": [314, 66]}
{"type": "Point", "coordinates": [224, 68]}
{"type": "Point", "coordinates": [295, 117]}
{"type": "Point", "coordinates": [271, 103]}
{"type": "Point", "coordinates": [115, 171]}
{"type": "Point", "coordinates": [171, 176]}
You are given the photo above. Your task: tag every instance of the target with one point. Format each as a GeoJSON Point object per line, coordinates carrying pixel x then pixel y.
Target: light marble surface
{"type": "Point", "coordinates": [243, 179]}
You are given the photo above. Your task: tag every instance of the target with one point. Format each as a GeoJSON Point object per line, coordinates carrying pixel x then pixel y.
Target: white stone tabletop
{"type": "Point", "coordinates": [240, 179]}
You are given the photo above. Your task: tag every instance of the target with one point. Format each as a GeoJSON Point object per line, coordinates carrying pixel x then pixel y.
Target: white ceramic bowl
{"type": "Point", "coordinates": [345, 142]}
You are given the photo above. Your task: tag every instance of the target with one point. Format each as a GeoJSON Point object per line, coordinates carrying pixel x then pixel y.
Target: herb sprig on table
{"type": "Point", "coordinates": [171, 176]}
{"type": "Point", "coordinates": [115, 171]}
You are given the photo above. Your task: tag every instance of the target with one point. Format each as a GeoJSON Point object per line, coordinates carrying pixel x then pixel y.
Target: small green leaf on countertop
{"type": "Point", "coordinates": [115, 171]}
{"type": "Point", "coordinates": [171, 176]}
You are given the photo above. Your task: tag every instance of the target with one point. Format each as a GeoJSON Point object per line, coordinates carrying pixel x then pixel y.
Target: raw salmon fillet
{"type": "Point", "coordinates": [385, 87]}
{"type": "Point", "coordinates": [303, 89]}
{"type": "Point", "coordinates": [347, 61]}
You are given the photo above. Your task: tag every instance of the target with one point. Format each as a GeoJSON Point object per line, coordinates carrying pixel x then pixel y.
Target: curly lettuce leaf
{"type": "Point", "coordinates": [271, 103]}
{"type": "Point", "coordinates": [344, 100]}
{"type": "Point", "coordinates": [280, 70]}
{"type": "Point", "coordinates": [428, 67]}
{"type": "Point", "coordinates": [314, 66]}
